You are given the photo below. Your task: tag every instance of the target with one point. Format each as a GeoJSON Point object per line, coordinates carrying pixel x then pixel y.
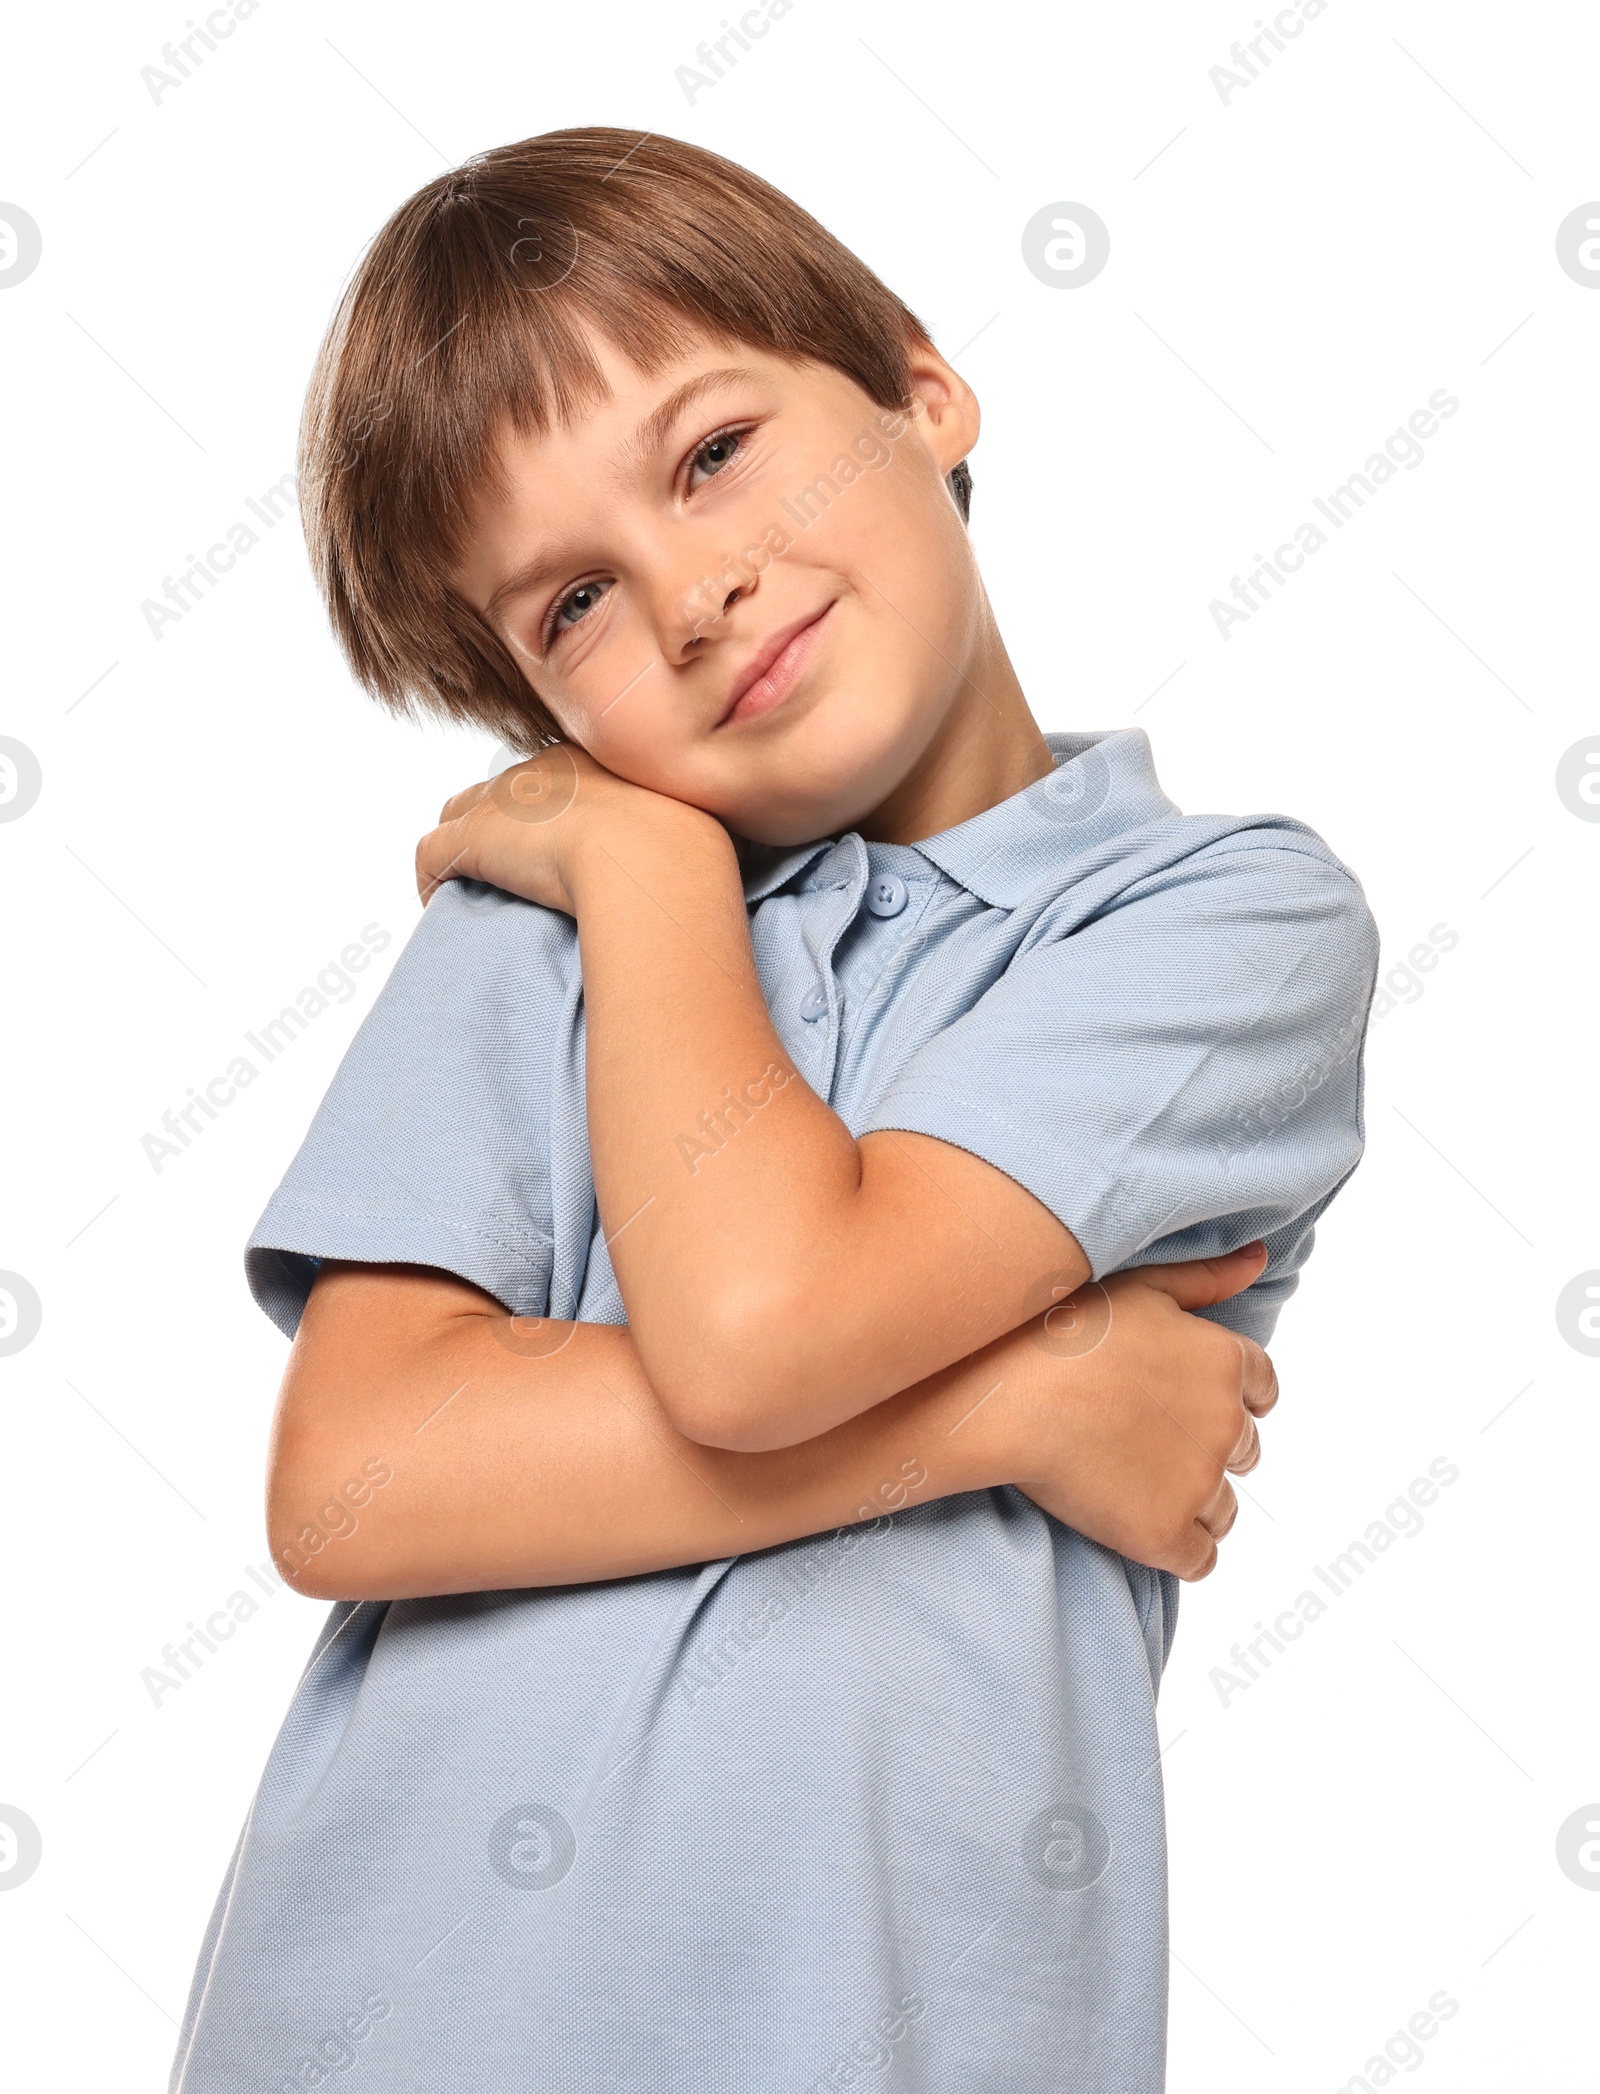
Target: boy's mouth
{"type": "Point", "coordinates": [773, 670]}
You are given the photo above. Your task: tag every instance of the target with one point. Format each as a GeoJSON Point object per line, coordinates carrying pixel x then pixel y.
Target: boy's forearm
{"type": "Point", "coordinates": [715, 1164]}
{"type": "Point", "coordinates": [745, 1222]}
{"type": "Point", "coordinates": [481, 1470]}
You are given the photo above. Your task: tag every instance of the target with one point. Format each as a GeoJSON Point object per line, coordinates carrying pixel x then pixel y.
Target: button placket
{"type": "Point", "coordinates": [821, 931]}
{"type": "Point", "coordinates": [869, 977]}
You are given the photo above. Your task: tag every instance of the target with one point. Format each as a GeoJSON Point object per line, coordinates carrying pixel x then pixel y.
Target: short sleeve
{"type": "Point", "coordinates": [443, 1137]}
{"type": "Point", "coordinates": [1177, 1076]}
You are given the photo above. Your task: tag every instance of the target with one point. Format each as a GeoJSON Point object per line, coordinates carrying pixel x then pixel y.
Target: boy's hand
{"type": "Point", "coordinates": [526, 831]}
{"type": "Point", "coordinates": [1135, 1410]}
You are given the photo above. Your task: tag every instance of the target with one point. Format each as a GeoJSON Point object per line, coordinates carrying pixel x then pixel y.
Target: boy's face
{"type": "Point", "coordinates": [742, 583]}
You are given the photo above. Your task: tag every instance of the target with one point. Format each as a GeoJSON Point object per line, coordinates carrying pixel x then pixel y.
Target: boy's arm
{"type": "Point", "coordinates": [418, 1448]}
{"type": "Point", "coordinates": [794, 1277]}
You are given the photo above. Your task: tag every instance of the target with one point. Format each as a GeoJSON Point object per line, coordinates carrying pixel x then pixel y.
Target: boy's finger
{"type": "Point", "coordinates": [1260, 1389]}
{"type": "Point", "coordinates": [1247, 1454]}
{"type": "Point", "coordinates": [1198, 1282]}
{"type": "Point", "coordinates": [1218, 1514]}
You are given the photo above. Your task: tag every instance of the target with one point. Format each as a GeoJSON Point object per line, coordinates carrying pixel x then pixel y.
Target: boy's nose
{"type": "Point", "coordinates": [692, 606]}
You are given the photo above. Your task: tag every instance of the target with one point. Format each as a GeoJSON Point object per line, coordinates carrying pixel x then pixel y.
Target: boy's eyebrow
{"type": "Point", "coordinates": [528, 576]}
{"type": "Point", "coordinates": [645, 439]}
{"type": "Point", "coordinates": [650, 432]}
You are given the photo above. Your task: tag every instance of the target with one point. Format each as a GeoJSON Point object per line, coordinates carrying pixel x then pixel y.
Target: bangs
{"type": "Point", "coordinates": [472, 310]}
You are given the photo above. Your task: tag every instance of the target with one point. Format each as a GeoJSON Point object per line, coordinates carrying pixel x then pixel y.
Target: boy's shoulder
{"type": "Point", "coordinates": [1253, 847]}
{"type": "Point", "coordinates": [1211, 869]}
{"type": "Point", "coordinates": [471, 938]}
{"type": "Point", "coordinates": [485, 989]}
{"type": "Point", "coordinates": [1099, 831]}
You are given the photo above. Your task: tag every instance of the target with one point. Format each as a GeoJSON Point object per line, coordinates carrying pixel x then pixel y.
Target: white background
{"type": "Point", "coordinates": [1373, 1819]}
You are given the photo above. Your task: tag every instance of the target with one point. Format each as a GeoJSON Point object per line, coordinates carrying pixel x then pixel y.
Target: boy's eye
{"type": "Point", "coordinates": [717, 451]}
{"type": "Point", "coordinates": [573, 608]}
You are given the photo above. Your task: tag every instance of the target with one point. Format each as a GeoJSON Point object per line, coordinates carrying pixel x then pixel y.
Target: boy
{"type": "Point", "coordinates": [788, 1052]}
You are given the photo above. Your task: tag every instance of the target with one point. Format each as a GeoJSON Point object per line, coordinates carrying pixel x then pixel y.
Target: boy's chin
{"type": "Point", "coordinates": [785, 832]}
{"type": "Point", "coordinates": [785, 821]}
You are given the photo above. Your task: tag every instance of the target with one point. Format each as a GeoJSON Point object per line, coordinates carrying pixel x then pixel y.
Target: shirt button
{"type": "Point", "coordinates": [886, 895]}
{"type": "Point", "coordinates": [815, 1005]}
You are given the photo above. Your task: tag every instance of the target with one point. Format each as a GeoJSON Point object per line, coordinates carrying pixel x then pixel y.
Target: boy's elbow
{"type": "Point", "coordinates": [745, 1377]}
{"type": "Point", "coordinates": [730, 1414]}
{"type": "Point", "coordinates": [319, 1537]}
{"type": "Point", "coordinates": [735, 1423]}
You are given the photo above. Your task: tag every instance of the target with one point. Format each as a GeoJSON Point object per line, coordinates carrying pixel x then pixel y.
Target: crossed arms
{"type": "Point", "coordinates": [820, 1328]}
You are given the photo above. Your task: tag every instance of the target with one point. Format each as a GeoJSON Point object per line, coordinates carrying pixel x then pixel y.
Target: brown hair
{"type": "Point", "coordinates": [468, 311]}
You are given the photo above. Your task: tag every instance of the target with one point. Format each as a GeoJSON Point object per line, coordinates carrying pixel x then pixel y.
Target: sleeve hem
{"type": "Point", "coordinates": [1081, 1196]}
{"type": "Point", "coordinates": [282, 1256]}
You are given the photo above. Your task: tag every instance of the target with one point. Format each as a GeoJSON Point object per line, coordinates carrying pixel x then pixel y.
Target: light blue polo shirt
{"type": "Point", "coordinates": [877, 1810]}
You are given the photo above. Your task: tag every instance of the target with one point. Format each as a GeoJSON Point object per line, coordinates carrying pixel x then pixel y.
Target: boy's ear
{"type": "Point", "coordinates": [943, 405]}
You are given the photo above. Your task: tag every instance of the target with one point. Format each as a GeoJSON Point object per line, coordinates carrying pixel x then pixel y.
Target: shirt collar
{"type": "Point", "coordinates": [1104, 782]}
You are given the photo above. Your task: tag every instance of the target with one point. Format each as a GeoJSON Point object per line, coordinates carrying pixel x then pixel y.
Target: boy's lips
{"type": "Point", "coordinates": [773, 670]}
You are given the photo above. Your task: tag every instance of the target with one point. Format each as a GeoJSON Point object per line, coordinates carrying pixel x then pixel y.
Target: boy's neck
{"type": "Point", "coordinates": [989, 747]}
